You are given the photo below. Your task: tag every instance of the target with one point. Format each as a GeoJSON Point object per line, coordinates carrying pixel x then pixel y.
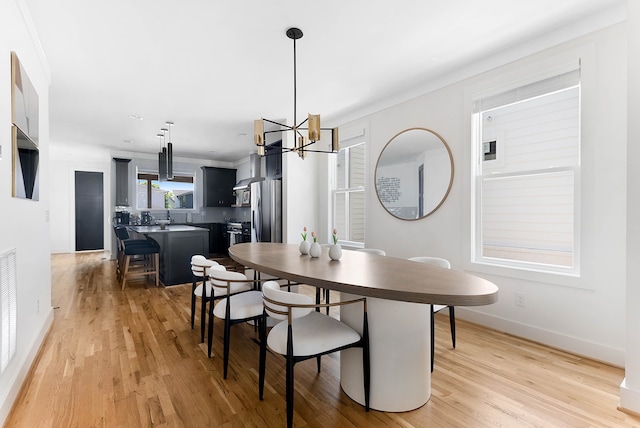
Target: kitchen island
{"type": "Point", "coordinates": [177, 244]}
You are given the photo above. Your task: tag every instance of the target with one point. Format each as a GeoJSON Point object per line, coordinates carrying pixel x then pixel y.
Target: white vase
{"type": "Point", "coordinates": [335, 252]}
{"type": "Point", "coordinates": [315, 250]}
{"type": "Point", "coordinates": [304, 247]}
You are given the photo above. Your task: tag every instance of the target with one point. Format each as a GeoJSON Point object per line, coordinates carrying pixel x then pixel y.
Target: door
{"type": "Point", "coordinates": [420, 191]}
{"type": "Point", "coordinates": [89, 211]}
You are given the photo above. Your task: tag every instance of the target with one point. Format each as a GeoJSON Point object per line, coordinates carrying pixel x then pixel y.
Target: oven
{"type": "Point", "coordinates": [238, 232]}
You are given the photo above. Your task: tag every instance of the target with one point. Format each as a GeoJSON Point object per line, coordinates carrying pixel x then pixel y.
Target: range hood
{"type": "Point", "coordinates": [254, 172]}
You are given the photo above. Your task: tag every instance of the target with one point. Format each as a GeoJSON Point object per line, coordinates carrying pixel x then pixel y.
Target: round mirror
{"type": "Point", "coordinates": [414, 174]}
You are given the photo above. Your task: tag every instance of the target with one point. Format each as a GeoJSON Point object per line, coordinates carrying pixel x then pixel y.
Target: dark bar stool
{"type": "Point", "coordinates": [146, 251]}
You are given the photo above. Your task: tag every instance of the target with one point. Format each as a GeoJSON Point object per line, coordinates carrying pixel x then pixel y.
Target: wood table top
{"type": "Point", "coordinates": [368, 275]}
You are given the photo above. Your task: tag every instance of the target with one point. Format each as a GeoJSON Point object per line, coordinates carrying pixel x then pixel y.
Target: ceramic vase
{"type": "Point", "coordinates": [304, 247]}
{"type": "Point", "coordinates": [315, 250]}
{"type": "Point", "coordinates": [335, 252]}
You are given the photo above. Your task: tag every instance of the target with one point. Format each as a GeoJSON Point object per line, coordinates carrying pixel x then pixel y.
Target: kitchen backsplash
{"type": "Point", "coordinates": [204, 215]}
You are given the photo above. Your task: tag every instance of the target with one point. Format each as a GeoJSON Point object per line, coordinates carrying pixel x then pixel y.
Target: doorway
{"type": "Point", "coordinates": [89, 211]}
{"type": "Point", "coordinates": [420, 191]}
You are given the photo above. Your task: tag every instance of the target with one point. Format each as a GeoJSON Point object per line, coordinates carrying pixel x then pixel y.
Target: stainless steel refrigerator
{"type": "Point", "coordinates": [266, 211]}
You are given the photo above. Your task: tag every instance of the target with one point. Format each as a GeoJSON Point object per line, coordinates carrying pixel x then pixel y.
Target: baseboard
{"type": "Point", "coordinates": [594, 351]}
{"type": "Point", "coordinates": [24, 369]}
{"type": "Point", "coordinates": [629, 399]}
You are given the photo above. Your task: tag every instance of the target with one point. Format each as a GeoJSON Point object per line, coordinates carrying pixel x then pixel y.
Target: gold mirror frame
{"type": "Point", "coordinates": [409, 147]}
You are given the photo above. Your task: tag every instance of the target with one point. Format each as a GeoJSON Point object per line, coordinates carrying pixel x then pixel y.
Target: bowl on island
{"type": "Point", "coordinates": [163, 223]}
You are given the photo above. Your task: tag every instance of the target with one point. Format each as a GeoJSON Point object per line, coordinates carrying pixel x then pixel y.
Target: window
{"type": "Point", "coordinates": [155, 194]}
{"type": "Point", "coordinates": [348, 194]}
{"type": "Point", "coordinates": [527, 142]}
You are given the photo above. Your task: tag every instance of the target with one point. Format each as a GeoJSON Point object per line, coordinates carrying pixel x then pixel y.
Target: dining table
{"type": "Point", "coordinates": [399, 295]}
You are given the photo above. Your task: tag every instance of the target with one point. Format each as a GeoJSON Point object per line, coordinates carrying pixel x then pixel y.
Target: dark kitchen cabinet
{"type": "Point", "coordinates": [218, 186]}
{"type": "Point", "coordinates": [217, 237]}
{"type": "Point", "coordinates": [122, 181]}
{"type": "Point", "coordinates": [273, 160]}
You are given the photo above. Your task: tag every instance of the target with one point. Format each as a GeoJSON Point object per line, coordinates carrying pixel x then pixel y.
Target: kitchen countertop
{"type": "Point", "coordinates": [168, 228]}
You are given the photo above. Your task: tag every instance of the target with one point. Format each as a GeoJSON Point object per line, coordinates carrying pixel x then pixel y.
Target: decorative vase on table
{"type": "Point", "coordinates": [315, 250]}
{"type": "Point", "coordinates": [304, 247]}
{"type": "Point", "coordinates": [335, 252]}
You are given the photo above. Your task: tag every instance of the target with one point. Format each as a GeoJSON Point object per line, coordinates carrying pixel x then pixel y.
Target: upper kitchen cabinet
{"type": "Point", "coordinates": [218, 186]}
{"type": "Point", "coordinates": [122, 181]}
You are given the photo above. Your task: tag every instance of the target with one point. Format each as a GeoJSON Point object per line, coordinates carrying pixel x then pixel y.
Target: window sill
{"type": "Point", "coordinates": [565, 279]}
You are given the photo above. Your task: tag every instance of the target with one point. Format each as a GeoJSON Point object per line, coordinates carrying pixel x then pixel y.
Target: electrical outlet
{"type": "Point", "coordinates": [521, 300]}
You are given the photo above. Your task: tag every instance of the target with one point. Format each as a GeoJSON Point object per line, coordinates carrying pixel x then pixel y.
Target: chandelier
{"type": "Point", "coordinates": [165, 156]}
{"type": "Point", "coordinates": [312, 122]}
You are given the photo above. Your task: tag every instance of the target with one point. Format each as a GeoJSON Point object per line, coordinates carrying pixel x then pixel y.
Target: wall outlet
{"type": "Point", "coordinates": [521, 299]}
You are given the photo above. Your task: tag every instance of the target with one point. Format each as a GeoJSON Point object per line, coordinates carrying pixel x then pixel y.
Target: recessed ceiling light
{"type": "Point", "coordinates": [127, 141]}
{"type": "Point", "coordinates": [135, 117]}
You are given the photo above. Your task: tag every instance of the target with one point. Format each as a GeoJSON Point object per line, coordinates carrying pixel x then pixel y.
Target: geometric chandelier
{"type": "Point", "coordinates": [312, 122]}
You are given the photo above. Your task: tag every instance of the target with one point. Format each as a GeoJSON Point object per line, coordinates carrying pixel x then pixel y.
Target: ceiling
{"type": "Point", "coordinates": [212, 67]}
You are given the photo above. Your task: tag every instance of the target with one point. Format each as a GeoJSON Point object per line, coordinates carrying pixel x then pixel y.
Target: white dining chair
{"type": "Point", "coordinates": [240, 301]}
{"type": "Point", "coordinates": [443, 263]}
{"type": "Point", "coordinates": [373, 251]}
{"type": "Point", "coordinates": [304, 333]}
{"type": "Point", "coordinates": [199, 266]}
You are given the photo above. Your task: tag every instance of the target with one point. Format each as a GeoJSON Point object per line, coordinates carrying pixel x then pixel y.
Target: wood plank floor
{"type": "Point", "coordinates": [130, 359]}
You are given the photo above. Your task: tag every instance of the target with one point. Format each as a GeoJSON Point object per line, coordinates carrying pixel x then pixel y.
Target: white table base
{"type": "Point", "coordinates": [399, 336]}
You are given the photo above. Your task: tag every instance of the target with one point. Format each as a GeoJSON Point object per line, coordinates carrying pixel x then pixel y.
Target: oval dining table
{"type": "Point", "coordinates": [399, 293]}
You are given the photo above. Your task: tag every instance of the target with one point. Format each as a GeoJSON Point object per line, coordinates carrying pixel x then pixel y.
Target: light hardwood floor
{"type": "Point", "coordinates": [130, 359]}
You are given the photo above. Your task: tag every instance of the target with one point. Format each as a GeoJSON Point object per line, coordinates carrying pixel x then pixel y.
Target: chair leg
{"type": "Point", "coordinates": [433, 339]}
{"type": "Point", "coordinates": [289, 376]}
{"type": "Point", "coordinates": [326, 290]}
{"type": "Point", "coordinates": [262, 323]}
{"type": "Point", "coordinates": [318, 290]}
{"type": "Point", "coordinates": [203, 310]}
{"type": "Point", "coordinates": [227, 337]}
{"type": "Point", "coordinates": [125, 270]}
{"type": "Point", "coordinates": [452, 323]}
{"type": "Point", "coordinates": [319, 363]}
{"type": "Point", "coordinates": [156, 267]}
{"type": "Point", "coordinates": [193, 302]}
{"type": "Point", "coordinates": [366, 367]}
{"type": "Point", "coordinates": [289, 391]}
{"type": "Point", "coordinates": [210, 333]}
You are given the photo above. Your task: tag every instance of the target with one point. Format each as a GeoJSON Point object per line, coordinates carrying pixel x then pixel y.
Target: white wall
{"type": "Point", "coordinates": [630, 388]}
{"type": "Point", "coordinates": [24, 225]}
{"type": "Point", "coordinates": [584, 315]}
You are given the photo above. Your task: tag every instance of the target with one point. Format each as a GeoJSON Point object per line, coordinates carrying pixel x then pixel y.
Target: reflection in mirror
{"type": "Point", "coordinates": [414, 174]}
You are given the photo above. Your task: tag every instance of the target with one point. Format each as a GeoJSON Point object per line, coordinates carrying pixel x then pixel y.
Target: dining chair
{"type": "Point", "coordinates": [372, 251]}
{"type": "Point", "coordinates": [443, 263]}
{"type": "Point", "coordinates": [303, 333]}
{"type": "Point", "coordinates": [240, 301]}
{"type": "Point", "coordinates": [199, 266]}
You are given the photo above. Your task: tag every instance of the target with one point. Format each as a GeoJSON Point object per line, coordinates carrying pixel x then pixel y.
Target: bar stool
{"type": "Point", "coordinates": [147, 251]}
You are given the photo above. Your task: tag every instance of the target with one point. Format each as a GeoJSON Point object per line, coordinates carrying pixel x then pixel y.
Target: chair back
{"type": "Point", "coordinates": [273, 295]}
{"type": "Point", "coordinates": [199, 265]}
{"type": "Point", "coordinates": [373, 251]}
{"type": "Point", "coordinates": [121, 232]}
{"type": "Point", "coordinates": [436, 261]}
{"type": "Point", "coordinates": [230, 280]}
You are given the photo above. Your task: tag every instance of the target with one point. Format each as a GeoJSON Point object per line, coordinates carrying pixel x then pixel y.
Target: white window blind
{"type": "Point", "coordinates": [348, 193]}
